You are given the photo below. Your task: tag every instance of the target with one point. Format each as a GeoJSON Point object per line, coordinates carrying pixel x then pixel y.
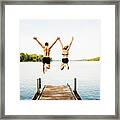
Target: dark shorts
{"type": "Point", "coordinates": [46, 60]}
{"type": "Point", "coordinates": [65, 60]}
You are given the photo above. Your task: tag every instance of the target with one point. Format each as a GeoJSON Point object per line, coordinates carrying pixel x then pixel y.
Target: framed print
{"type": "Point", "coordinates": [59, 59]}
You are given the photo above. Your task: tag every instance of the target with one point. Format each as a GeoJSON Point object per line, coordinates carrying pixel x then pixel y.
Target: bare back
{"type": "Point", "coordinates": [65, 53]}
{"type": "Point", "coordinates": [46, 51]}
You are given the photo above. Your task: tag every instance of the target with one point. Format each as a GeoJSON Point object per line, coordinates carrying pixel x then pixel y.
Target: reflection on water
{"type": "Point", "coordinates": [87, 74]}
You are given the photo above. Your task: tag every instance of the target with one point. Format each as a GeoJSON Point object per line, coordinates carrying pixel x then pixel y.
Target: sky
{"type": "Point", "coordinates": [86, 33]}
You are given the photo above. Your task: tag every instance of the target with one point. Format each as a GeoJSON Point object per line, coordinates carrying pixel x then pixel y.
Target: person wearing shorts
{"type": "Point", "coordinates": [65, 60]}
{"type": "Point", "coordinates": [46, 60]}
{"type": "Point", "coordinates": [65, 53]}
{"type": "Point", "coordinates": [46, 49]}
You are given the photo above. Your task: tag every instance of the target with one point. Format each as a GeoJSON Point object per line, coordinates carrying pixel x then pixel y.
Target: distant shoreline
{"type": "Point", "coordinates": [25, 57]}
{"type": "Point", "coordinates": [78, 60]}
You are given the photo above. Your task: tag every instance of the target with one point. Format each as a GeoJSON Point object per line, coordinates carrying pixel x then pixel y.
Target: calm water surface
{"type": "Point", "coordinates": [87, 74]}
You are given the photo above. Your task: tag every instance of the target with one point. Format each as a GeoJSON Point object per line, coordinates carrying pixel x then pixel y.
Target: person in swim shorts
{"type": "Point", "coordinates": [46, 49]}
{"type": "Point", "coordinates": [65, 53]}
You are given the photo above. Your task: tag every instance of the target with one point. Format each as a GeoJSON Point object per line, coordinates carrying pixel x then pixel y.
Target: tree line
{"type": "Point", "coordinates": [91, 59]}
{"type": "Point", "coordinates": [25, 57]}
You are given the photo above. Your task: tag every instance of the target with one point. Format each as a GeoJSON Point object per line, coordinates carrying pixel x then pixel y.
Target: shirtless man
{"type": "Point", "coordinates": [46, 49]}
{"type": "Point", "coordinates": [65, 53]}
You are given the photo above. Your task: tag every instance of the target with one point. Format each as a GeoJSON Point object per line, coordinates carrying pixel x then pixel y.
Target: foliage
{"type": "Point", "coordinates": [25, 57]}
{"type": "Point", "coordinates": [92, 59]}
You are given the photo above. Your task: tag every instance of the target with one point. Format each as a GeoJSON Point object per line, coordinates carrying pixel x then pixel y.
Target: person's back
{"type": "Point", "coordinates": [46, 50]}
{"type": "Point", "coordinates": [65, 51]}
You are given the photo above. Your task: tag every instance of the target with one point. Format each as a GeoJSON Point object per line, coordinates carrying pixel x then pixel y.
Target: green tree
{"type": "Point", "coordinates": [22, 57]}
{"type": "Point", "coordinates": [25, 57]}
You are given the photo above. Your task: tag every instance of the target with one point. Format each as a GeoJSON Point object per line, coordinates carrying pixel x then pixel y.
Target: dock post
{"type": "Point", "coordinates": [38, 84]}
{"type": "Point", "coordinates": [75, 90]}
{"type": "Point", "coordinates": [38, 89]}
{"type": "Point", "coordinates": [75, 82]}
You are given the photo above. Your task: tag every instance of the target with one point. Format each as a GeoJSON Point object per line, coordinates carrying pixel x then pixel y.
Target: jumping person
{"type": "Point", "coordinates": [46, 49]}
{"type": "Point", "coordinates": [65, 53]}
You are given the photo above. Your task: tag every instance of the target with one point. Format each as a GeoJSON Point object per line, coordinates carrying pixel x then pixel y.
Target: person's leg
{"type": "Point", "coordinates": [67, 66]}
{"type": "Point", "coordinates": [43, 60]}
{"type": "Point", "coordinates": [48, 63]}
{"type": "Point", "coordinates": [67, 60]}
{"type": "Point", "coordinates": [48, 66]}
{"type": "Point", "coordinates": [62, 66]}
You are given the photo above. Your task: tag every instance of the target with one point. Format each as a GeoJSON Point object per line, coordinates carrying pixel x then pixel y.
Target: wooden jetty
{"type": "Point", "coordinates": [53, 92]}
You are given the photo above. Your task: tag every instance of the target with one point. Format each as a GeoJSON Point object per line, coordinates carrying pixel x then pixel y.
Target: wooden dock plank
{"type": "Point", "coordinates": [61, 92]}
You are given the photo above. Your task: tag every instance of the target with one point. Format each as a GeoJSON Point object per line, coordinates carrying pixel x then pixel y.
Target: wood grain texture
{"type": "Point", "coordinates": [62, 92]}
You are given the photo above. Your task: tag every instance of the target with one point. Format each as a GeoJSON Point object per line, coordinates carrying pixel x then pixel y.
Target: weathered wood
{"type": "Point", "coordinates": [62, 92]}
{"type": "Point", "coordinates": [50, 92]}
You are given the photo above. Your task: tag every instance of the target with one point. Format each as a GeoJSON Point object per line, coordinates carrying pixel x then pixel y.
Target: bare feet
{"type": "Point", "coordinates": [47, 67]}
{"type": "Point", "coordinates": [62, 67]}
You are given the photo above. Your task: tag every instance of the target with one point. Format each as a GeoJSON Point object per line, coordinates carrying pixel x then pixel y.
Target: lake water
{"type": "Point", "coordinates": [87, 74]}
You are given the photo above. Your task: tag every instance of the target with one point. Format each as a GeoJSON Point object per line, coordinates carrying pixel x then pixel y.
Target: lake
{"type": "Point", "coordinates": [87, 74]}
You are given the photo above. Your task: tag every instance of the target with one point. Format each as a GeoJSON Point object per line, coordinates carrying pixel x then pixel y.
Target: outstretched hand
{"type": "Point", "coordinates": [35, 38]}
{"type": "Point", "coordinates": [58, 38]}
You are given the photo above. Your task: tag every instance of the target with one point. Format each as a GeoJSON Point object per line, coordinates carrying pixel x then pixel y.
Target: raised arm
{"type": "Point", "coordinates": [38, 42]}
{"type": "Point", "coordinates": [54, 42]}
{"type": "Point", "coordinates": [61, 43]}
{"type": "Point", "coordinates": [71, 43]}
